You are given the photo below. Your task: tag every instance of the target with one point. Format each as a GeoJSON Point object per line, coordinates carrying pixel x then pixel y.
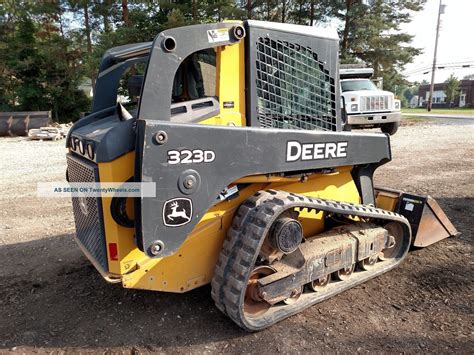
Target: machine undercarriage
{"type": "Point", "coordinates": [256, 290]}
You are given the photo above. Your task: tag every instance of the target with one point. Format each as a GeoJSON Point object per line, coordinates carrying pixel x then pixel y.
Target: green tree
{"type": "Point", "coordinates": [25, 64]}
{"type": "Point", "coordinates": [370, 33]}
{"type": "Point", "coordinates": [452, 89]}
{"type": "Point", "coordinates": [44, 56]}
{"type": "Point", "coordinates": [41, 67]}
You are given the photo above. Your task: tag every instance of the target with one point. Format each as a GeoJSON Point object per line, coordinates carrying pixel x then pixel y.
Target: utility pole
{"type": "Point", "coordinates": [440, 11]}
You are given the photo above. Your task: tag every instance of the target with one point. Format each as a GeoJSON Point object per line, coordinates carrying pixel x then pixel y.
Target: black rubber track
{"type": "Point", "coordinates": [244, 239]}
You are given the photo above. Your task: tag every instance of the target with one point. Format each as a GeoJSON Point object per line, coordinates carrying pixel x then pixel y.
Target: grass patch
{"type": "Point", "coordinates": [443, 111]}
{"type": "Point", "coordinates": [415, 118]}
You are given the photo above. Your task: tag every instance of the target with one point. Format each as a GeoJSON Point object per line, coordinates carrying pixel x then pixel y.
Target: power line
{"type": "Point", "coordinates": [455, 65]}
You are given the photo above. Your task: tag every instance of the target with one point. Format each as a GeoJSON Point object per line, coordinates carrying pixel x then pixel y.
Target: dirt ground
{"type": "Point", "coordinates": [52, 299]}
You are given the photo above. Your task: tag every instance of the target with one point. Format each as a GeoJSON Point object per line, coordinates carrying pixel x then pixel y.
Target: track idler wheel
{"type": "Point", "coordinates": [344, 274]}
{"type": "Point", "coordinates": [395, 230]}
{"type": "Point", "coordinates": [254, 304]}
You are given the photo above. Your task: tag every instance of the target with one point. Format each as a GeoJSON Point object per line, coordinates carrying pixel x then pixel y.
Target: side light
{"type": "Point", "coordinates": [113, 251]}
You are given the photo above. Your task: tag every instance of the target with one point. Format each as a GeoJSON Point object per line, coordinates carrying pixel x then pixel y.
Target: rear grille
{"type": "Point", "coordinates": [294, 88]}
{"type": "Point", "coordinates": [375, 103]}
{"type": "Point", "coordinates": [88, 211]}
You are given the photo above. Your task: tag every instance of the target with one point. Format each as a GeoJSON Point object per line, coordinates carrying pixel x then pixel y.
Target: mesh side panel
{"type": "Point", "coordinates": [88, 211]}
{"type": "Point", "coordinates": [294, 89]}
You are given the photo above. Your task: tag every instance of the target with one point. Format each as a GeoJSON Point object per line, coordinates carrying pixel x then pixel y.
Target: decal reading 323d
{"type": "Point", "coordinates": [177, 212]}
{"type": "Point", "coordinates": [314, 151]}
{"type": "Point", "coordinates": [187, 156]}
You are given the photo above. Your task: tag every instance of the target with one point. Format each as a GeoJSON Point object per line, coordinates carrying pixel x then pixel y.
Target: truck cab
{"type": "Point", "coordinates": [365, 105]}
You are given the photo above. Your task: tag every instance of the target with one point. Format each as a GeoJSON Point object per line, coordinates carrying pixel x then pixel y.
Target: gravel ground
{"type": "Point", "coordinates": [51, 299]}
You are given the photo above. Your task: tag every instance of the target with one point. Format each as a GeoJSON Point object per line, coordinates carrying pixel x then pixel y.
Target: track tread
{"type": "Point", "coordinates": [241, 248]}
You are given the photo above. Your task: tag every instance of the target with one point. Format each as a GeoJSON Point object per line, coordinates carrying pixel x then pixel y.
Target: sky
{"type": "Point", "coordinates": [455, 44]}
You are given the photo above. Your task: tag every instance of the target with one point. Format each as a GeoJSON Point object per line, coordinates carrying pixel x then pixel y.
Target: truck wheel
{"type": "Point", "coordinates": [347, 128]}
{"type": "Point", "coordinates": [390, 128]}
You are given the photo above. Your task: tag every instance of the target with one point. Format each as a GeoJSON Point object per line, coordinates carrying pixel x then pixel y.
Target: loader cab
{"type": "Point", "coordinates": [206, 91]}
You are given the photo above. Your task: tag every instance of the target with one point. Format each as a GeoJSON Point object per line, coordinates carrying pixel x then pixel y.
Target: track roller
{"type": "Point", "coordinates": [320, 283]}
{"type": "Point", "coordinates": [345, 273]}
{"type": "Point", "coordinates": [368, 263]}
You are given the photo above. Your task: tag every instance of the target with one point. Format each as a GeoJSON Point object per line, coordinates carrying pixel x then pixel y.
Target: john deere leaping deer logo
{"type": "Point", "coordinates": [177, 212]}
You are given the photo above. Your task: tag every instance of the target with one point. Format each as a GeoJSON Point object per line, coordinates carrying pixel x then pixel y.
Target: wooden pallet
{"type": "Point", "coordinates": [45, 133]}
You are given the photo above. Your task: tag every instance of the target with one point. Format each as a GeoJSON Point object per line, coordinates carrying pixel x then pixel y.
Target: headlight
{"type": "Point", "coordinates": [397, 105]}
{"type": "Point", "coordinates": [354, 107]}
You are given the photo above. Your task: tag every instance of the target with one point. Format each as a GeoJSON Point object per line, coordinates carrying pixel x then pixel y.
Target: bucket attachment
{"type": "Point", "coordinates": [428, 222]}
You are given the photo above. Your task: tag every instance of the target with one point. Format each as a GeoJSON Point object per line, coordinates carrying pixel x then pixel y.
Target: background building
{"type": "Point", "coordinates": [464, 99]}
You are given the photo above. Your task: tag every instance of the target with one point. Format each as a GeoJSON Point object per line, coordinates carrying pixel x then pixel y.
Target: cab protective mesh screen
{"type": "Point", "coordinates": [294, 90]}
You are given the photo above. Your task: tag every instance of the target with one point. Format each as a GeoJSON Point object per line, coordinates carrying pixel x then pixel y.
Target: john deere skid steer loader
{"type": "Point", "coordinates": [258, 190]}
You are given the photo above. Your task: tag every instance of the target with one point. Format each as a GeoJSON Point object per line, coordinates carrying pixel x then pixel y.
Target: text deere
{"type": "Point", "coordinates": [315, 151]}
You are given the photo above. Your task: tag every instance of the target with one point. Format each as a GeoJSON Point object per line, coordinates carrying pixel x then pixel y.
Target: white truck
{"type": "Point", "coordinates": [365, 105]}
